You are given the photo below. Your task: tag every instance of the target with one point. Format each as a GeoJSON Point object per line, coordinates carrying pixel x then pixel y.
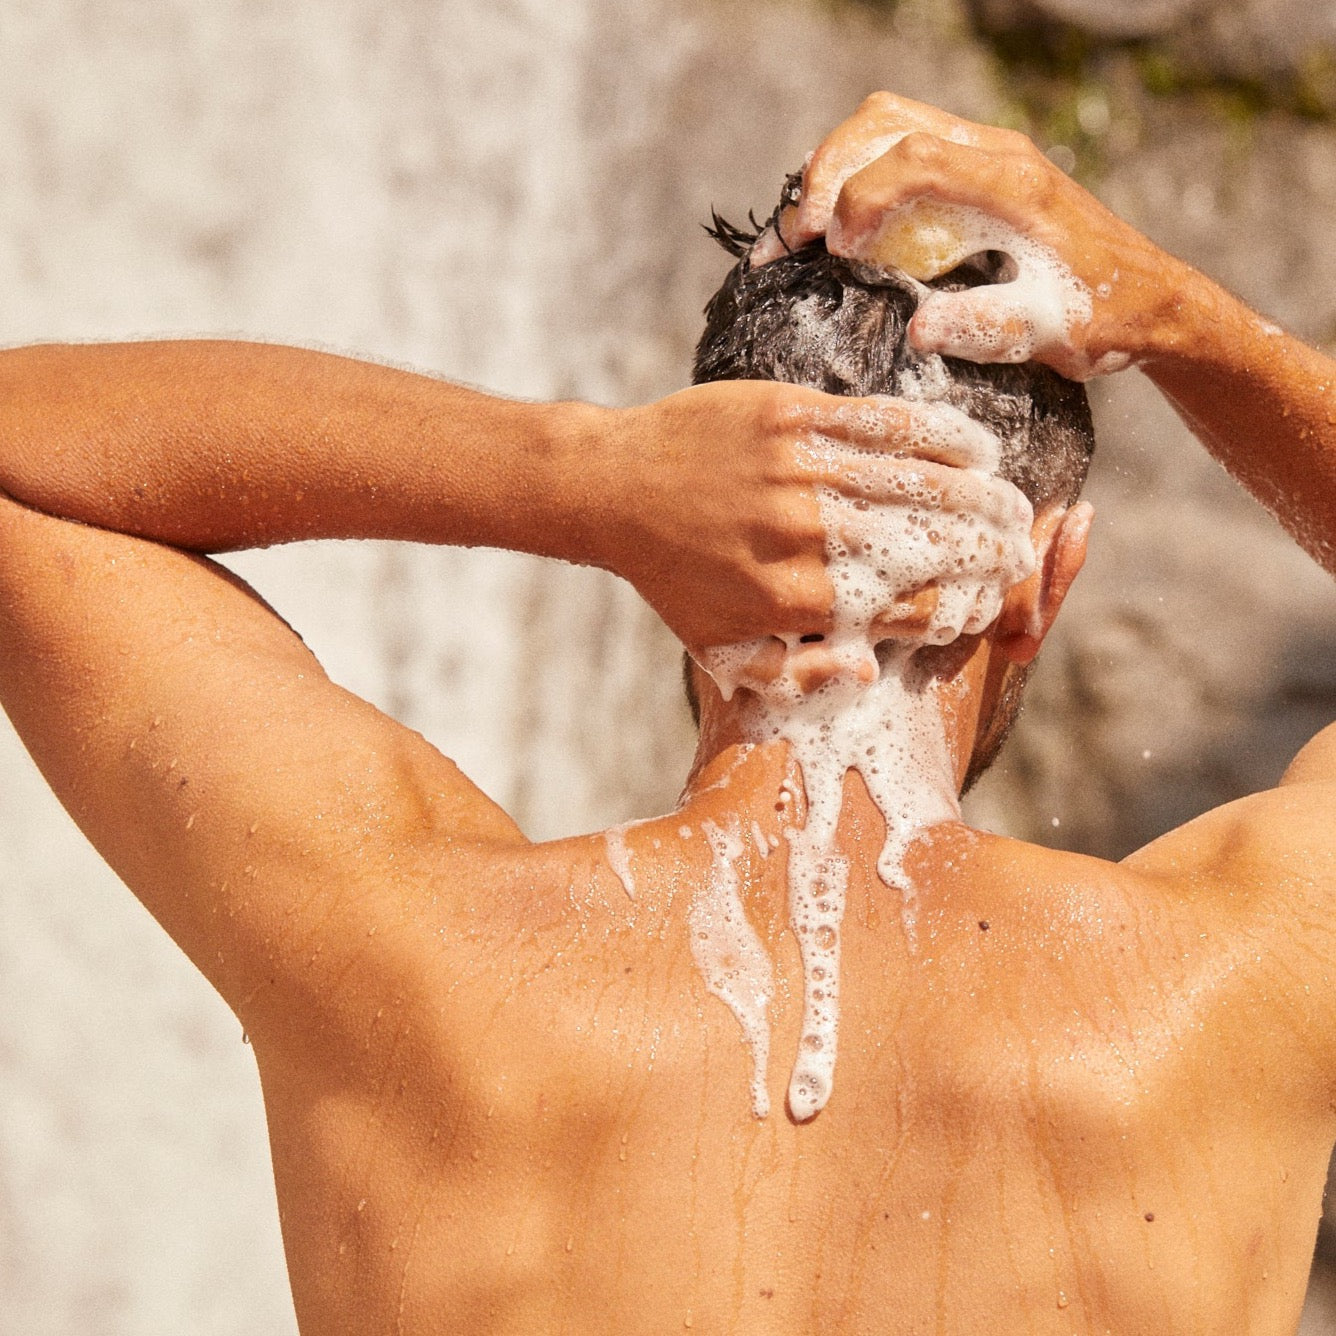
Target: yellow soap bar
{"type": "Point", "coordinates": [924, 239]}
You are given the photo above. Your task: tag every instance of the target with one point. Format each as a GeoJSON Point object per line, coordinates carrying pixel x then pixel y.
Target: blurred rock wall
{"type": "Point", "coordinates": [508, 193]}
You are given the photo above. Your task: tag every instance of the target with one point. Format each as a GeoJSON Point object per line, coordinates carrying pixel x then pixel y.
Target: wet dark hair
{"type": "Point", "coordinates": [811, 318]}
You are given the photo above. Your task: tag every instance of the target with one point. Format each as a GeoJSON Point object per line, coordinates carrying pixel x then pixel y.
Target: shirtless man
{"type": "Point", "coordinates": [1094, 1098]}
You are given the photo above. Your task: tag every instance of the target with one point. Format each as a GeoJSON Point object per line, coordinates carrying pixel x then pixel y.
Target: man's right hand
{"type": "Point", "coordinates": [710, 498]}
{"type": "Point", "coordinates": [902, 164]}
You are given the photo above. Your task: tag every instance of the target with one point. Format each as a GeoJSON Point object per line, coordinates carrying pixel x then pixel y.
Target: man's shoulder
{"type": "Point", "coordinates": [1263, 840]}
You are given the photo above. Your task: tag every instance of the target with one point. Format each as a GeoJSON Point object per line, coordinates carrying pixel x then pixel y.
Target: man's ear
{"type": "Point", "coordinates": [1059, 535]}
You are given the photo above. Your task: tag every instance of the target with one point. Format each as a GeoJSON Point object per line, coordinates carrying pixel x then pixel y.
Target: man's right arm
{"type": "Point", "coordinates": [1262, 402]}
{"type": "Point", "coordinates": [266, 817]}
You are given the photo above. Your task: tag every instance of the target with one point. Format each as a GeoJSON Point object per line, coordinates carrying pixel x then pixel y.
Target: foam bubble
{"type": "Point", "coordinates": [1042, 306]}
{"type": "Point", "coordinates": [860, 700]}
{"type": "Point", "coordinates": [729, 954]}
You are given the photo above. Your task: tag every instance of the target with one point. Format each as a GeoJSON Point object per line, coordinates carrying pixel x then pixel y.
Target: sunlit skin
{"type": "Point", "coordinates": [1096, 1097]}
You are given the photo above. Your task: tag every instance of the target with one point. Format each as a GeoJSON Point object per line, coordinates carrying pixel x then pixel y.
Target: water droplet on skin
{"type": "Point", "coordinates": [873, 714]}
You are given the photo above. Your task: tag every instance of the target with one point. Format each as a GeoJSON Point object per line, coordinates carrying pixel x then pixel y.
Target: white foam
{"type": "Point", "coordinates": [619, 856]}
{"type": "Point", "coordinates": [759, 840]}
{"type": "Point", "coordinates": [1041, 307]}
{"type": "Point", "coordinates": [875, 708]}
{"type": "Point", "coordinates": [729, 954]}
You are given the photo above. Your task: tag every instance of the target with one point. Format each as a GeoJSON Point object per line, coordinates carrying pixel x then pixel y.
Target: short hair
{"type": "Point", "coordinates": [812, 318]}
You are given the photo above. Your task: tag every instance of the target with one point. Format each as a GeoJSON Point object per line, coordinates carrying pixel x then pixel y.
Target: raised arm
{"type": "Point", "coordinates": [1261, 401]}
{"type": "Point", "coordinates": [276, 825]}
{"type": "Point", "coordinates": [706, 501]}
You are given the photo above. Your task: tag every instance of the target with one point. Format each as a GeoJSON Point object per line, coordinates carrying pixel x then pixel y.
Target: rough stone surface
{"type": "Point", "coordinates": [1251, 40]}
{"type": "Point", "coordinates": [511, 196]}
{"type": "Point", "coordinates": [1126, 18]}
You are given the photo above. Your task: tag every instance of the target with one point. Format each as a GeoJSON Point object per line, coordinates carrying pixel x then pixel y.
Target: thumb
{"type": "Point", "coordinates": [987, 324]}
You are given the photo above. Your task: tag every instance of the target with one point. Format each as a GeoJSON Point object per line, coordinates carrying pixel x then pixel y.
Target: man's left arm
{"type": "Point", "coordinates": [271, 821]}
{"type": "Point", "coordinates": [705, 500]}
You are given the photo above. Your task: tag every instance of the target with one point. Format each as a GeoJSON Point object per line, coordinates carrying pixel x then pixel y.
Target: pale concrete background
{"type": "Point", "coordinates": [508, 193]}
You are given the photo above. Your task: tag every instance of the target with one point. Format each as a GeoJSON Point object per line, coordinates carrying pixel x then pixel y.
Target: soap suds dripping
{"type": "Point", "coordinates": [876, 711]}
{"type": "Point", "coordinates": [729, 954]}
{"type": "Point", "coordinates": [1039, 307]}
{"type": "Point", "coordinates": [619, 856]}
{"type": "Point", "coordinates": [618, 853]}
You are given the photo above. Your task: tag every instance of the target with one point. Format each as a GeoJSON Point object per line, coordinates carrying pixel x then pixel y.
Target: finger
{"type": "Point", "coordinates": [841, 156]}
{"type": "Point", "coordinates": [908, 616]}
{"type": "Point", "coordinates": [1007, 185]}
{"type": "Point", "coordinates": [768, 246]}
{"type": "Point", "coordinates": [935, 432]}
{"type": "Point", "coordinates": [879, 123]}
{"type": "Point", "coordinates": [887, 425]}
{"type": "Point", "coordinates": [767, 663]}
{"type": "Point", "coordinates": [867, 482]}
{"type": "Point", "coordinates": [1002, 323]}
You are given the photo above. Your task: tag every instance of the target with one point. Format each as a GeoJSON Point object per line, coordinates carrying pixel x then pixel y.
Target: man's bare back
{"type": "Point", "coordinates": [1080, 1097]}
{"type": "Point", "coordinates": [1095, 1098]}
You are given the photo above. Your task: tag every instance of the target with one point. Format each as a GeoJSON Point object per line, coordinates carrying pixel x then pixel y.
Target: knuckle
{"type": "Point", "coordinates": [1032, 179]}
{"type": "Point", "coordinates": [859, 206]}
{"type": "Point", "coordinates": [1016, 141]}
{"type": "Point", "coordinates": [880, 101]}
{"type": "Point", "coordinates": [921, 149]}
{"type": "Point", "coordinates": [778, 409]}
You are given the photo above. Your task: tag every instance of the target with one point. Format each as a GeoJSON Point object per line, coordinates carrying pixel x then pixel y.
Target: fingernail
{"type": "Point", "coordinates": [920, 334]}
{"type": "Point", "coordinates": [765, 248]}
{"type": "Point", "coordinates": [1083, 513]}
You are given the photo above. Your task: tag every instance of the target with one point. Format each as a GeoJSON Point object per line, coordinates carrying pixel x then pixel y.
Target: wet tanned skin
{"type": "Point", "coordinates": [1097, 1098]}
{"type": "Point", "coordinates": [1106, 1110]}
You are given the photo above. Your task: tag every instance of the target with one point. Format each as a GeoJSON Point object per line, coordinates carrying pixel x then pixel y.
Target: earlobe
{"type": "Point", "coordinates": [1060, 539]}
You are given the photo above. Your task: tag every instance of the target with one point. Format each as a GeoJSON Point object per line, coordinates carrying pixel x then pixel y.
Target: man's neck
{"type": "Point", "coordinates": [958, 703]}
